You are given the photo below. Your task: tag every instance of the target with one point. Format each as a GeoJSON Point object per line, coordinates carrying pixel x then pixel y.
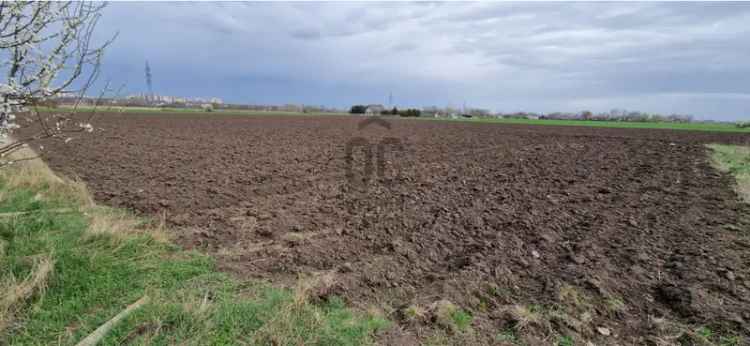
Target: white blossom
{"type": "Point", "coordinates": [46, 50]}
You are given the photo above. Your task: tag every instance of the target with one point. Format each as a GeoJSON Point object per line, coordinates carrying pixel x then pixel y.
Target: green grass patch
{"type": "Point", "coordinates": [507, 336]}
{"type": "Point", "coordinates": [707, 336]}
{"type": "Point", "coordinates": [461, 319]}
{"type": "Point", "coordinates": [565, 341]}
{"type": "Point", "coordinates": [695, 126]}
{"type": "Point", "coordinates": [734, 159]}
{"type": "Point", "coordinates": [61, 281]}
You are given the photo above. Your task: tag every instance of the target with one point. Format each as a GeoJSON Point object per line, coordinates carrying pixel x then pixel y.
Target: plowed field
{"type": "Point", "coordinates": [628, 230]}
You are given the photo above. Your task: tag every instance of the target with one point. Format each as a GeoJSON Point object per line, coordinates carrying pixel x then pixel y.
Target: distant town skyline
{"type": "Point", "coordinates": [686, 58]}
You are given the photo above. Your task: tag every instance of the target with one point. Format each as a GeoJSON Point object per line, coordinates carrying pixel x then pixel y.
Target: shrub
{"type": "Point", "coordinates": [358, 109]}
{"type": "Point", "coordinates": [411, 112]}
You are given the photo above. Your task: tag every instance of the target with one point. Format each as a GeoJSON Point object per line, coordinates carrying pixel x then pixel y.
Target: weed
{"type": "Point", "coordinates": [565, 341]}
{"type": "Point", "coordinates": [414, 312]}
{"type": "Point", "coordinates": [461, 319]}
{"type": "Point", "coordinates": [704, 332]}
{"type": "Point", "coordinates": [508, 336]}
{"type": "Point", "coordinates": [730, 341]}
{"type": "Point", "coordinates": [615, 306]}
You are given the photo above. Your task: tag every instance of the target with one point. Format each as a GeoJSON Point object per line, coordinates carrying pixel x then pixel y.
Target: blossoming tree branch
{"type": "Point", "coordinates": [46, 50]}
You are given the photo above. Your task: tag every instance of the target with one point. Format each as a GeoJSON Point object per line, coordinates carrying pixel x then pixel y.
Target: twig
{"type": "Point", "coordinates": [102, 331]}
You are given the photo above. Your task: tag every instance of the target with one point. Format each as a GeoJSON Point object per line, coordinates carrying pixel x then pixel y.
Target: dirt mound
{"type": "Point", "coordinates": [609, 235]}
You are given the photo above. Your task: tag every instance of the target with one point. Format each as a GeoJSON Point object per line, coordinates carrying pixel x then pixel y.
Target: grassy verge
{"type": "Point", "coordinates": [711, 127]}
{"type": "Point", "coordinates": [67, 266]}
{"type": "Point", "coordinates": [734, 159]}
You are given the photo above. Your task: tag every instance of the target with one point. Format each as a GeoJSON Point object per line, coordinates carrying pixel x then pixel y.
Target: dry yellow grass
{"type": "Point", "coordinates": [29, 173]}
{"type": "Point", "coordinates": [119, 224]}
{"type": "Point", "coordinates": [15, 293]}
{"type": "Point", "coordinates": [525, 317]}
{"type": "Point", "coordinates": [35, 173]}
{"type": "Point", "coordinates": [275, 331]}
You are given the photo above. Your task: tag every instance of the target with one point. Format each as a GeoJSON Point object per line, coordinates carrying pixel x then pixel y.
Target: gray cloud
{"type": "Point", "coordinates": [658, 57]}
{"type": "Point", "coordinates": [306, 34]}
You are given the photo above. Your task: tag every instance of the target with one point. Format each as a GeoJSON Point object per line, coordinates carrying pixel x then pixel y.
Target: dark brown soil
{"type": "Point", "coordinates": [628, 230]}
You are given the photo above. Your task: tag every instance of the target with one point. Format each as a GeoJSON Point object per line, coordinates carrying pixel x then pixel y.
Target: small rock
{"type": "Point", "coordinates": [293, 238]}
{"type": "Point", "coordinates": [729, 275]}
{"type": "Point", "coordinates": [597, 285]}
{"type": "Point", "coordinates": [643, 257]}
{"type": "Point", "coordinates": [578, 259]}
{"type": "Point", "coordinates": [603, 331]}
{"type": "Point", "coordinates": [535, 254]}
{"type": "Point", "coordinates": [346, 268]}
{"type": "Point", "coordinates": [181, 219]}
{"type": "Point", "coordinates": [547, 237]}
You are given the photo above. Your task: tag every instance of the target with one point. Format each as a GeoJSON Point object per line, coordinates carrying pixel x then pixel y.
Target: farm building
{"type": "Point", "coordinates": [374, 110]}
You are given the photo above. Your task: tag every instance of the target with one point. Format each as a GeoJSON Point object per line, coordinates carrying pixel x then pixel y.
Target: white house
{"type": "Point", "coordinates": [374, 110]}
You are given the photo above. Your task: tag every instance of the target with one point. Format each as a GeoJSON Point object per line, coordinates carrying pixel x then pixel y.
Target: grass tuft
{"type": "Point", "coordinates": [16, 293]}
{"type": "Point", "coordinates": [734, 159]}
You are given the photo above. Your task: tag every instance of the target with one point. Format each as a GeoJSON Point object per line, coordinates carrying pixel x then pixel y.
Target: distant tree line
{"type": "Point", "coordinates": [362, 109]}
{"type": "Point", "coordinates": [409, 112]}
{"type": "Point", "coordinates": [620, 115]}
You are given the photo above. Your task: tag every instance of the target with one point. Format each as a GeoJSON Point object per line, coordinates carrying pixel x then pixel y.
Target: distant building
{"type": "Point", "coordinates": [374, 110]}
{"type": "Point", "coordinates": [164, 99]}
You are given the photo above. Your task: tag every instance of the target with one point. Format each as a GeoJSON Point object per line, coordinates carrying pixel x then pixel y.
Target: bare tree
{"type": "Point", "coordinates": [46, 50]}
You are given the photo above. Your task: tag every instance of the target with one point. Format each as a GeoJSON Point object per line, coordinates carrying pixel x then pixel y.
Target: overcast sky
{"type": "Point", "coordinates": [690, 58]}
